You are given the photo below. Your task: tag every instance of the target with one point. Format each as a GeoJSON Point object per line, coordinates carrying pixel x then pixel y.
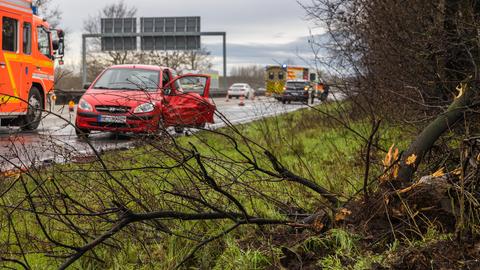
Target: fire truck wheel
{"type": "Point", "coordinates": [34, 113]}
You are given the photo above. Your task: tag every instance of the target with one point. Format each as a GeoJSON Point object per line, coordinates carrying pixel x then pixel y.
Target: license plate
{"type": "Point", "coordinates": [112, 119]}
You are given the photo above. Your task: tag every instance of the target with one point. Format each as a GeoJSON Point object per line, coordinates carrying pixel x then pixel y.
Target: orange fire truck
{"type": "Point", "coordinates": [27, 57]}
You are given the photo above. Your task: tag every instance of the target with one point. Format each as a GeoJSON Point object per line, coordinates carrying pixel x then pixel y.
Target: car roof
{"type": "Point", "coordinates": [131, 66]}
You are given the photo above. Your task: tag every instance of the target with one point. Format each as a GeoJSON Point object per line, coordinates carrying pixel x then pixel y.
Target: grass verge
{"type": "Point", "coordinates": [49, 210]}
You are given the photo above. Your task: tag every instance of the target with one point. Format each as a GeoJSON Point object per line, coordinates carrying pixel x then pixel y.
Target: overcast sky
{"type": "Point", "coordinates": [258, 31]}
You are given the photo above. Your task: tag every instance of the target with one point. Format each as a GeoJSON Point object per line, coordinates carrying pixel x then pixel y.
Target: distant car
{"type": "Point", "coordinates": [297, 90]}
{"type": "Point", "coordinates": [143, 99]}
{"type": "Point", "coordinates": [241, 89]}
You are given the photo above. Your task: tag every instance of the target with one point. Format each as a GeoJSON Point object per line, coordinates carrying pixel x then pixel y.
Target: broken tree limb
{"type": "Point", "coordinates": [375, 128]}
{"type": "Point", "coordinates": [130, 217]}
{"type": "Point", "coordinates": [414, 155]}
{"type": "Point", "coordinates": [289, 176]}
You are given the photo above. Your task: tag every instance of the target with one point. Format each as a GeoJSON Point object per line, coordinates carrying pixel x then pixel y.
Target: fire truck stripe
{"type": "Point", "coordinates": [13, 57]}
{"type": "Point", "coordinates": [27, 59]}
{"type": "Point", "coordinates": [12, 79]}
{"type": "Point", "coordinates": [43, 76]}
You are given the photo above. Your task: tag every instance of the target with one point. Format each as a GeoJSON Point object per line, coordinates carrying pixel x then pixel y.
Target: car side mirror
{"type": "Point", "coordinates": [55, 45]}
{"type": "Point", "coordinates": [61, 47]}
{"type": "Point", "coordinates": [87, 85]}
{"type": "Point", "coordinates": [313, 77]}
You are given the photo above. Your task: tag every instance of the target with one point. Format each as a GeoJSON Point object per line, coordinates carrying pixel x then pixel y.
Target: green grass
{"type": "Point", "coordinates": [306, 142]}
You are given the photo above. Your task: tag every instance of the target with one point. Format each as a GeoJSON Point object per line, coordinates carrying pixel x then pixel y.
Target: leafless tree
{"type": "Point", "coordinates": [253, 75]}
{"type": "Point", "coordinates": [46, 10]}
{"type": "Point", "coordinates": [405, 61]}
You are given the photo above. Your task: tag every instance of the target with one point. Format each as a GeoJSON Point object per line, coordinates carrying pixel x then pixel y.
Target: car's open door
{"type": "Point", "coordinates": [187, 101]}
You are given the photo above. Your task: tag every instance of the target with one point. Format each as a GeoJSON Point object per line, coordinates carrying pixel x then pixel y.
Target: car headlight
{"type": "Point", "coordinates": [144, 108]}
{"type": "Point", "coordinates": [84, 105]}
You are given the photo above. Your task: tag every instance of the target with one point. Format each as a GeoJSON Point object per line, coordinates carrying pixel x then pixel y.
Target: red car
{"type": "Point", "coordinates": [143, 99]}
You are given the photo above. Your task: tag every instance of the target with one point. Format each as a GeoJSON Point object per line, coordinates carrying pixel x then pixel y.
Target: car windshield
{"type": "Point", "coordinates": [296, 85]}
{"type": "Point", "coordinates": [238, 86]}
{"type": "Point", "coordinates": [128, 79]}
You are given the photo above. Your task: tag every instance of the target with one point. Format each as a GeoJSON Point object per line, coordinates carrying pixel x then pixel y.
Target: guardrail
{"type": "Point", "coordinates": [65, 96]}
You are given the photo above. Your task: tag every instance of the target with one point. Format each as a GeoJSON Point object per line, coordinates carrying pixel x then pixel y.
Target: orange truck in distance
{"type": "Point", "coordinates": [27, 56]}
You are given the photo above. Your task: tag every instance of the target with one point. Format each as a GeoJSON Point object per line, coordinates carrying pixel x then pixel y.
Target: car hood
{"type": "Point", "coordinates": [120, 97]}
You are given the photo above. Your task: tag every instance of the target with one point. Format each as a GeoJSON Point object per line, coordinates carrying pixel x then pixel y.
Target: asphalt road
{"type": "Point", "coordinates": [55, 139]}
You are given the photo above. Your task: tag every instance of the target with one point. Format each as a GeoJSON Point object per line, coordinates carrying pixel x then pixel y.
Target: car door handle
{"type": "Point", "coordinates": [39, 68]}
{"type": "Point", "coordinates": [3, 64]}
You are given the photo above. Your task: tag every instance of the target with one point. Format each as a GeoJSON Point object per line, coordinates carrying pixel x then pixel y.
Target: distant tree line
{"type": "Point", "coordinates": [254, 75]}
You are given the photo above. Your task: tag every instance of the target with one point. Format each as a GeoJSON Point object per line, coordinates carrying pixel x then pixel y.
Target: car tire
{"type": "Point", "coordinates": [31, 121]}
{"type": "Point", "coordinates": [179, 130]}
{"type": "Point", "coordinates": [82, 133]}
{"type": "Point", "coordinates": [289, 102]}
{"type": "Point", "coordinates": [284, 101]}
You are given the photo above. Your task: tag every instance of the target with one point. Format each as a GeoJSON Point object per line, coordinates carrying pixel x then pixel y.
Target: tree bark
{"type": "Point", "coordinates": [412, 158]}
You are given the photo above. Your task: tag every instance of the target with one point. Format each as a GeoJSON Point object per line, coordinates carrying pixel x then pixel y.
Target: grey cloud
{"type": "Point", "coordinates": [296, 51]}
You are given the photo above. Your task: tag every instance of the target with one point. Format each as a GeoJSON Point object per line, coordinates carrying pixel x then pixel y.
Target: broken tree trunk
{"type": "Point", "coordinates": [414, 155]}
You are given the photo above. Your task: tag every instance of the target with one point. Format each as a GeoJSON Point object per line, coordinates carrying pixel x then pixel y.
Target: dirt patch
{"type": "Point", "coordinates": [438, 255]}
{"type": "Point", "coordinates": [389, 215]}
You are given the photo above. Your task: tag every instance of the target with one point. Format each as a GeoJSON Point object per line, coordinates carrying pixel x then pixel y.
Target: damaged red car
{"type": "Point", "coordinates": [144, 99]}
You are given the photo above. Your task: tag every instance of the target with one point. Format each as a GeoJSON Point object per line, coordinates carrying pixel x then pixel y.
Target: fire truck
{"type": "Point", "coordinates": [28, 51]}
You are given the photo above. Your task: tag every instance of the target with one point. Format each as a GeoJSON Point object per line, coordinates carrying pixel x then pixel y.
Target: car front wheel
{"type": "Point", "coordinates": [179, 129]}
{"type": "Point", "coordinates": [82, 133]}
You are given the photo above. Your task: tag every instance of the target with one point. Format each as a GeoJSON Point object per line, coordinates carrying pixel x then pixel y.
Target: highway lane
{"type": "Point", "coordinates": [55, 139]}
